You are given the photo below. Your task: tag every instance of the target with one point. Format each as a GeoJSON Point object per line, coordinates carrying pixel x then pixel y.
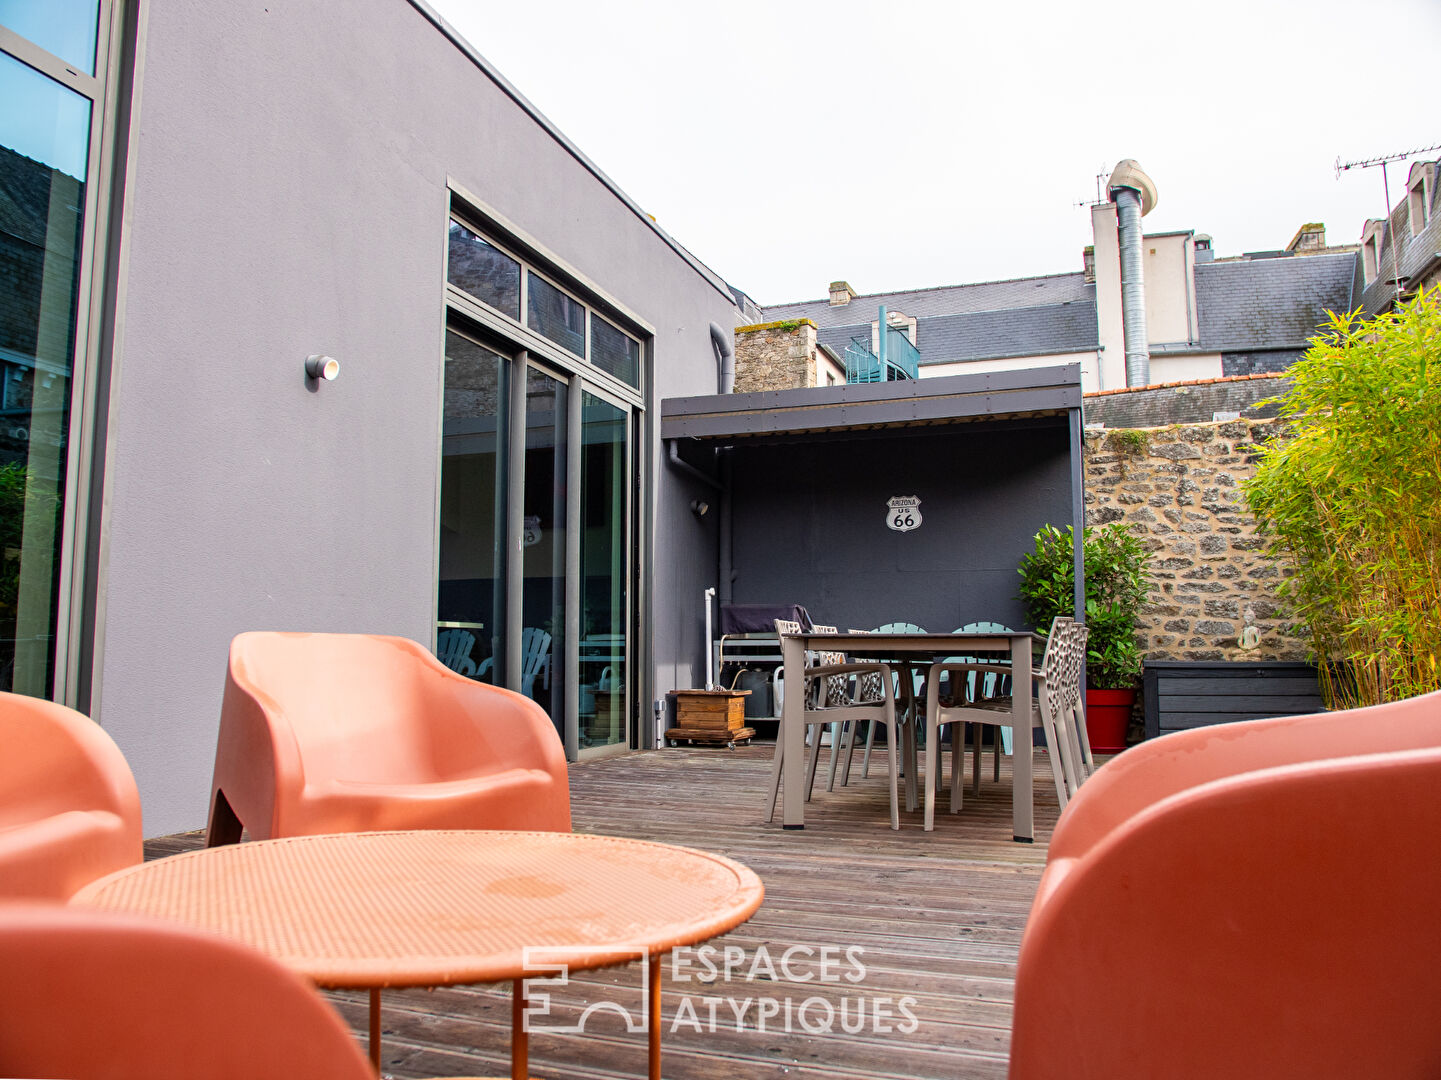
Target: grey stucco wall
{"type": "Point", "coordinates": [290, 197]}
{"type": "Point", "coordinates": [810, 524]}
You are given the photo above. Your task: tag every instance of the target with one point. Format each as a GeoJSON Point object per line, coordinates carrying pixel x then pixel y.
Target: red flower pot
{"type": "Point", "coordinates": [1108, 716]}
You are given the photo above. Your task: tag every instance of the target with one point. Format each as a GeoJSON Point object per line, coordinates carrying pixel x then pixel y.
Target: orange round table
{"type": "Point", "coordinates": [441, 907]}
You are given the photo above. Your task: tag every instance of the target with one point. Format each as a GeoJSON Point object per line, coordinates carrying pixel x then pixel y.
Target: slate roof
{"type": "Point", "coordinates": [982, 335]}
{"type": "Point", "coordinates": [1416, 251]}
{"type": "Point", "coordinates": [943, 300]}
{"type": "Point", "coordinates": [1270, 303]}
{"type": "Point", "coordinates": [1244, 305]}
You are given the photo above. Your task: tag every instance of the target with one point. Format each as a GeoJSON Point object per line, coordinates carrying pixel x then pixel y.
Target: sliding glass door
{"type": "Point", "coordinates": [535, 538]}
{"type": "Point", "coordinates": [542, 599]}
{"type": "Point", "coordinates": [44, 162]}
{"type": "Point", "coordinates": [605, 571]}
{"type": "Point", "coordinates": [470, 598]}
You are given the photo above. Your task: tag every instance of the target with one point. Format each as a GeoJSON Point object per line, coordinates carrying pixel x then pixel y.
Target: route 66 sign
{"type": "Point", "coordinates": [903, 513]}
{"type": "Point", "coordinates": [530, 535]}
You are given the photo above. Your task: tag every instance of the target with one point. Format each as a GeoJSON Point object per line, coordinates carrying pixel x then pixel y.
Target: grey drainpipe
{"type": "Point", "coordinates": [724, 342]}
{"type": "Point", "coordinates": [1133, 286]}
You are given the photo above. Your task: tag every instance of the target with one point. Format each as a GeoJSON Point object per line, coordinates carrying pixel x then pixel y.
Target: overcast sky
{"type": "Point", "coordinates": [902, 144]}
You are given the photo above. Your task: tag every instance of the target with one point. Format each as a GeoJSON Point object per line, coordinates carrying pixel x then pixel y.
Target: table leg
{"type": "Point", "coordinates": [375, 1029]}
{"type": "Point", "coordinates": [519, 1039]}
{"type": "Point", "coordinates": [654, 975]}
{"type": "Point", "coordinates": [793, 728]}
{"type": "Point", "coordinates": [1021, 803]}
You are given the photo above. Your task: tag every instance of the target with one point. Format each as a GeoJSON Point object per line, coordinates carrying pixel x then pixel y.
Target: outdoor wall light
{"type": "Point", "coordinates": [699, 507]}
{"type": "Point", "coordinates": [322, 367]}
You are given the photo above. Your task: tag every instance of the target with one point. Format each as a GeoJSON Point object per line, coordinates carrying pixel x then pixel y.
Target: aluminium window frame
{"type": "Point", "coordinates": [458, 308]}
{"type": "Point", "coordinates": [82, 571]}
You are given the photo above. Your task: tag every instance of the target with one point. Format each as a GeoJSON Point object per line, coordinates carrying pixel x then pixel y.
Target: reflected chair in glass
{"type": "Point", "coordinates": [837, 692]}
{"type": "Point", "coordinates": [1054, 710]}
{"type": "Point", "coordinates": [534, 661]}
{"type": "Point", "coordinates": [452, 648]}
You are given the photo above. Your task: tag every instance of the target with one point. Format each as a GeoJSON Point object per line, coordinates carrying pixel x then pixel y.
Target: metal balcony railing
{"type": "Point", "coordinates": [902, 360]}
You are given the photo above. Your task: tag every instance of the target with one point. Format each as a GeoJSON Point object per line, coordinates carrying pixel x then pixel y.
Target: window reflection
{"type": "Point", "coordinates": [615, 352]}
{"type": "Point", "coordinates": [472, 554]}
{"type": "Point", "coordinates": [66, 28]}
{"type": "Point", "coordinates": [44, 133]}
{"type": "Point", "coordinates": [484, 271]}
{"type": "Point", "coordinates": [603, 654]}
{"type": "Point", "coordinates": [543, 544]}
{"type": "Point", "coordinates": [555, 315]}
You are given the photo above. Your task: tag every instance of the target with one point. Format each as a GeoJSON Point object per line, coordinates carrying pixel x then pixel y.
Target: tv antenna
{"type": "Point", "coordinates": [1100, 198]}
{"type": "Point", "coordinates": [1382, 162]}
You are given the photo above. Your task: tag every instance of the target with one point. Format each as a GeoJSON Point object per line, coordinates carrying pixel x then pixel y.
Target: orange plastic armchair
{"type": "Point", "coordinates": [1263, 917]}
{"type": "Point", "coordinates": [69, 809]}
{"type": "Point", "coordinates": [91, 994]}
{"type": "Point", "coordinates": [1159, 768]}
{"type": "Point", "coordinates": [351, 732]}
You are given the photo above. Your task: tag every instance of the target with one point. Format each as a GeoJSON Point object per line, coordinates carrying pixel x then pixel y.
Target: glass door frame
{"type": "Point", "coordinates": [81, 574]}
{"type": "Point", "coordinates": [514, 338]}
{"type": "Point", "coordinates": [581, 386]}
{"type": "Point", "coordinates": [520, 362]}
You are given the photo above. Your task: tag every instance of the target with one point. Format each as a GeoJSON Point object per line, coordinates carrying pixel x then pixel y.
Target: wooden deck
{"type": "Point", "coordinates": [938, 918]}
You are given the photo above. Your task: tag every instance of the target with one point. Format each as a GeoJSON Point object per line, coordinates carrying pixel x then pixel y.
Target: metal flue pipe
{"type": "Point", "coordinates": [1134, 195]}
{"type": "Point", "coordinates": [1133, 287]}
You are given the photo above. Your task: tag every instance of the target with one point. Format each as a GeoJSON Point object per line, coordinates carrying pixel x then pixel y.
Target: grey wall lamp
{"type": "Point", "coordinates": [322, 367]}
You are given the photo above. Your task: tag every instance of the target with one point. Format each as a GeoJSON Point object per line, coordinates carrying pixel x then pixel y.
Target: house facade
{"type": "Point", "coordinates": [1204, 317]}
{"type": "Point", "coordinates": [196, 201]}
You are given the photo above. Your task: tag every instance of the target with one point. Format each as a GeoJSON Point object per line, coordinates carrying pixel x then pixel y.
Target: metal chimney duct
{"type": "Point", "coordinates": [1135, 196]}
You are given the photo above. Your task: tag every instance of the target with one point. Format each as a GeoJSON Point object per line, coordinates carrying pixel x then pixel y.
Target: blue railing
{"type": "Point", "coordinates": [902, 360]}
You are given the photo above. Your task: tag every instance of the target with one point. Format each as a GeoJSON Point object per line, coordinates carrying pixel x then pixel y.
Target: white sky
{"type": "Point", "coordinates": [904, 144]}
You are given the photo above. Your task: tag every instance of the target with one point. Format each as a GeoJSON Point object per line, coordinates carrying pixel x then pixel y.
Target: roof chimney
{"type": "Point", "coordinates": [1309, 237]}
{"type": "Point", "coordinates": [841, 293]}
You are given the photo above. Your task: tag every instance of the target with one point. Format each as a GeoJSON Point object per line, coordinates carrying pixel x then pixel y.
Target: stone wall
{"type": "Point", "coordinates": [775, 356]}
{"type": "Point", "coordinates": [1193, 401]}
{"type": "Point", "coordinates": [1179, 487]}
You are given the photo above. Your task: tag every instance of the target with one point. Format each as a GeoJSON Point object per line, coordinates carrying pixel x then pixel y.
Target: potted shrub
{"type": "Point", "coordinates": [1118, 578]}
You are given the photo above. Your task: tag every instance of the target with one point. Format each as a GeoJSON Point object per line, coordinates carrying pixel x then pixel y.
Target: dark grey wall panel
{"type": "Point", "coordinates": [810, 523]}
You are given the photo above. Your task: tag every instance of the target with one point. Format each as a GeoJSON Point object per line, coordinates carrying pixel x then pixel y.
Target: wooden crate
{"type": "Point", "coordinates": [710, 716]}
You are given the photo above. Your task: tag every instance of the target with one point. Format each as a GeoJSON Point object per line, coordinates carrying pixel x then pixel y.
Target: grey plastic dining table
{"type": "Point", "coordinates": [910, 648]}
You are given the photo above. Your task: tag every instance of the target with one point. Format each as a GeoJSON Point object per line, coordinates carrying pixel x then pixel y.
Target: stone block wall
{"type": "Point", "coordinates": [775, 356]}
{"type": "Point", "coordinates": [1179, 488]}
{"type": "Point", "coordinates": [1192, 401]}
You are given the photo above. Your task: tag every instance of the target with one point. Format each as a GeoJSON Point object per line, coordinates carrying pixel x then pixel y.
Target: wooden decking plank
{"type": "Point", "coordinates": [939, 916]}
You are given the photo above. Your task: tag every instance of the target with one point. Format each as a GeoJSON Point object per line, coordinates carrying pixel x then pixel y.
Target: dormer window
{"type": "Point", "coordinates": [1418, 198]}
{"type": "Point", "coordinates": [1372, 237]}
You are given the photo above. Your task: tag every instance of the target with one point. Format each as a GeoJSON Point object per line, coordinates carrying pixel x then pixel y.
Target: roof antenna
{"type": "Point", "coordinates": [1100, 198]}
{"type": "Point", "coordinates": [1383, 161]}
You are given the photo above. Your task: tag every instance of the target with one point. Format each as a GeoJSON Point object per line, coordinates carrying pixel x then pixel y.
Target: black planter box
{"type": "Point", "coordinates": [1187, 694]}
